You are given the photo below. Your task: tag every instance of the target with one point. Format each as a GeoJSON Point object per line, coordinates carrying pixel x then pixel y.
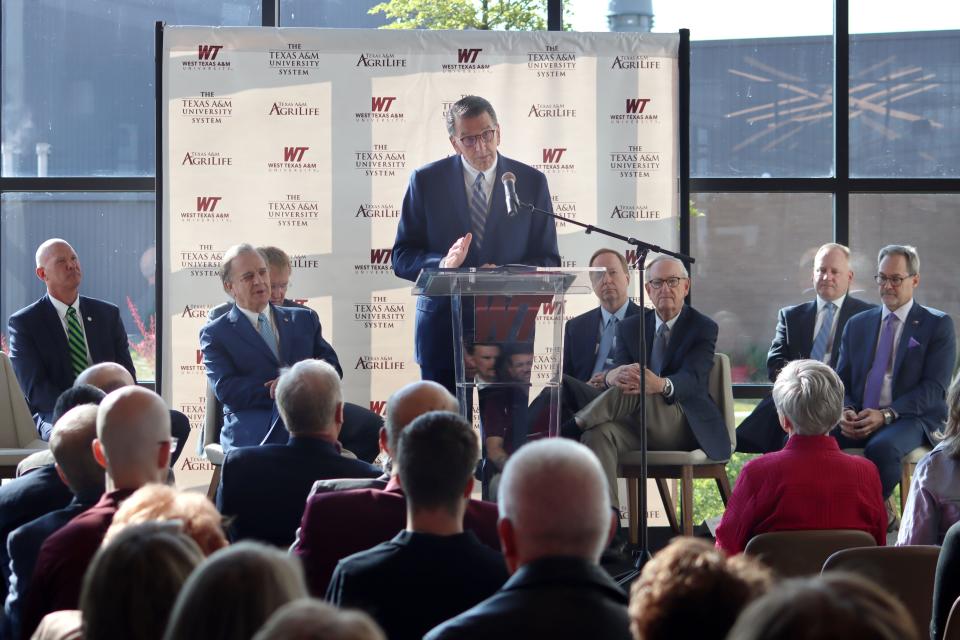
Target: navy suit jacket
{"type": "Point", "coordinates": [264, 489]}
{"type": "Point", "coordinates": [581, 339]}
{"type": "Point", "coordinates": [239, 362]}
{"type": "Point", "coordinates": [687, 363]}
{"type": "Point", "coordinates": [436, 213]}
{"type": "Point", "coordinates": [922, 365]}
{"type": "Point", "coordinates": [38, 351]}
{"type": "Point", "coordinates": [23, 547]}
{"type": "Point", "coordinates": [793, 339]}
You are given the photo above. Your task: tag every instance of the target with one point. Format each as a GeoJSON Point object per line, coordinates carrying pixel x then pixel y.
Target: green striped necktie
{"type": "Point", "coordinates": [75, 342]}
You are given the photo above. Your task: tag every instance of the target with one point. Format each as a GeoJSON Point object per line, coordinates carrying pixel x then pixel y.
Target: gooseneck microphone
{"type": "Point", "coordinates": [510, 193]}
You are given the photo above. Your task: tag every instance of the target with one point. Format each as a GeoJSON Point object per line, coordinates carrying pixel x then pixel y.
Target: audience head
{"type": "Point", "coordinates": [245, 278]}
{"type": "Point", "coordinates": [553, 501]}
{"type": "Point", "coordinates": [316, 620]}
{"type": "Point", "coordinates": [76, 396]}
{"type": "Point", "coordinates": [133, 437]}
{"type": "Point", "coordinates": [809, 397]}
{"type": "Point", "coordinates": [278, 266]}
{"type": "Point", "coordinates": [667, 284]}
{"type": "Point", "coordinates": [831, 271]}
{"type": "Point", "coordinates": [410, 402]}
{"type": "Point", "coordinates": [831, 606]}
{"type": "Point", "coordinates": [484, 358]}
{"type": "Point", "coordinates": [235, 592]}
{"type": "Point", "coordinates": [59, 268]}
{"type": "Point", "coordinates": [436, 457]}
{"type": "Point", "coordinates": [610, 287]}
{"type": "Point", "coordinates": [898, 274]}
{"type": "Point", "coordinates": [192, 513]}
{"type": "Point", "coordinates": [515, 363]}
{"type": "Point", "coordinates": [309, 399]}
{"type": "Point", "coordinates": [691, 589]}
{"type": "Point", "coordinates": [70, 444]}
{"type": "Point", "coordinates": [952, 430]}
{"type": "Point", "coordinates": [134, 579]}
{"type": "Point", "coordinates": [106, 376]}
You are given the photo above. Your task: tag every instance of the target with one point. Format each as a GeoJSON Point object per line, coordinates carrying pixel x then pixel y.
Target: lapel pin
{"type": "Point", "coordinates": [286, 319]}
{"type": "Point", "coordinates": [916, 322]}
{"type": "Point", "coordinates": [89, 319]}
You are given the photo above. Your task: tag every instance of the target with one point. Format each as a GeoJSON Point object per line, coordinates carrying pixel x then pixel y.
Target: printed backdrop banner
{"type": "Point", "coordinates": [305, 139]}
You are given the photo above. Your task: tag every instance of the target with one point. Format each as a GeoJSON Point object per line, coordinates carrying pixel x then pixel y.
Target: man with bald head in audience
{"type": "Point", "coordinates": [555, 520]}
{"type": "Point", "coordinates": [262, 489]}
{"type": "Point", "coordinates": [133, 446]}
{"type": "Point", "coordinates": [338, 523]}
{"type": "Point", "coordinates": [62, 333]}
{"type": "Point", "coordinates": [71, 444]}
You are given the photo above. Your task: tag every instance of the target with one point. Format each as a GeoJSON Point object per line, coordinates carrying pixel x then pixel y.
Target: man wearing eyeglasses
{"type": "Point", "coordinates": [455, 216]}
{"type": "Point", "coordinates": [895, 363]}
{"type": "Point", "coordinates": [810, 330]}
{"type": "Point", "coordinates": [680, 415]}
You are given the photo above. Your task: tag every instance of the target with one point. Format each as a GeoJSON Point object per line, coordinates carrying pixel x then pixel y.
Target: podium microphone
{"type": "Point", "coordinates": [510, 192]}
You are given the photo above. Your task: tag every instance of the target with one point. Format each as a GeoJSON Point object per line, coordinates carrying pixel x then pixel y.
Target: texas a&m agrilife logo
{"type": "Point", "coordinates": [554, 111]}
{"type": "Point", "coordinates": [468, 61]}
{"type": "Point", "coordinates": [381, 161]}
{"type": "Point", "coordinates": [635, 212]}
{"type": "Point", "coordinates": [634, 162]}
{"type": "Point", "coordinates": [202, 262]}
{"type": "Point", "coordinates": [635, 110]}
{"type": "Point", "coordinates": [208, 208]}
{"type": "Point", "coordinates": [206, 108]}
{"type": "Point", "coordinates": [295, 160]}
{"type": "Point", "coordinates": [196, 311]}
{"type": "Point", "coordinates": [377, 210]}
{"type": "Point", "coordinates": [379, 263]}
{"type": "Point", "coordinates": [634, 63]}
{"type": "Point", "coordinates": [381, 60]}
{"type": "Point", "coordinates": [379, 313]}
{"type": "Point", "coordinates": [293, 109]}
{"type": "Point", "coordinates": [294, 60]}
{"type": "Point", "coordinates": [293, 210]}
{"type": "Point", "coordinates": [205, 159]}
{"type": "Point", "coordinates": [551, 63]}
{"type": "Point", "coordinates": [210, 57]}
{"type": "Point", "coordinates": [382, 109]}
{"type": "Point", "coordinates": [556, 160]}
{"type": "Point", "coordinates": [379, 363]}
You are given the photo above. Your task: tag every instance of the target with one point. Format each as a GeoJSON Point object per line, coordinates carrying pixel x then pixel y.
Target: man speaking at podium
{"type": "Point", "coordinates": [455, 215]}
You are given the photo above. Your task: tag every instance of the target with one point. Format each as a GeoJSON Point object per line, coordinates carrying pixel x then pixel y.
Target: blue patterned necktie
{"type": "Point", "coordinates": [823, 336]}
{"type": "Point", "coordinates": [881, 362]}
{"type": "Point", "coordinates": [263, 326]}
{"type": "Point", "coordinates": [606, 345]}
{"type": "Point", "coordinates": [478, 210]}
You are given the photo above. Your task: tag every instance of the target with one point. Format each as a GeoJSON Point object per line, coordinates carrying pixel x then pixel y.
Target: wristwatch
{"type": "Point", "coordinates": [667, 388]}
{"type": "Point", "coordinates": [888, 415]}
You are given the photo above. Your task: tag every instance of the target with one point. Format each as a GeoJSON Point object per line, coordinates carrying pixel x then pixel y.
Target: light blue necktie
{"type": "Point", "coordinates": [478, 210]}
{"type": "Point", "coordinates": [823, 336]}
{"type": "Point", "coordinates": [606, 345]}
{"type": "Point", "coordinates": [266, 331]}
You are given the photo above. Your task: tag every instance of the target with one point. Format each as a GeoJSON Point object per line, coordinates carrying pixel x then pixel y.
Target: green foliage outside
{"type": "Point", "coordinates": [508, 15]}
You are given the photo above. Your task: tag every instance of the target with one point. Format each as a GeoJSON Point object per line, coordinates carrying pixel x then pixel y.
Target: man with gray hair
{"type": "Point", "coordinates": [263, 489]}
{"type": "Point", "coordinates": [555, 521]}
{"type": "Point", "coordinates": [895, 362]}
{"type": "Point", "coordinates": [680, 414]}
{"type": "Point", "coordinates": [810, 484]}
{"type": "Point", "coordinates": [244, 349]}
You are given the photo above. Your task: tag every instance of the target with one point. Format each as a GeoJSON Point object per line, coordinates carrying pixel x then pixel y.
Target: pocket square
{"type": "Point", "coordinates": [912, 343]}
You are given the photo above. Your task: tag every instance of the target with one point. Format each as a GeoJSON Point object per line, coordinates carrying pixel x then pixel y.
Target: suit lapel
{"type": "Point", "coordinates": [458, 197]}
{"type": "Point", "coordinates": [872, 336]}
{"type": "Point", "coordinates": [677, 335]}
{"type": "Point", "coordinates": [911, 329]}
{"type": "Point", "coordinates": [806, 323]}
{"type": "Point", "coordinates": [845, 313]}
{"type": "Point", "coordinates": [282, 318]}
{"type": "Point", "coordinates": [247, 333]}
{"type": "Point", "coordinates": [649, 327]}
{"type": "Point", "coordinates": [496, 211]}
{"type": "Point", "coordinates": [92, 332]}
{"type": "Point", "coordinates": [54, 328]}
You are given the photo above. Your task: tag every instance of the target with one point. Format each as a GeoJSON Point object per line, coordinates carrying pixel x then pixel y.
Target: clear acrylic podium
{"type": "Point", "coordinates": [508, 343]}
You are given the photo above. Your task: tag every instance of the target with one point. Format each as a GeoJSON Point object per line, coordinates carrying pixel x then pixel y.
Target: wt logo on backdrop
{"type": "Point", "coordinates": [382, 104]}
{"type": "Point", "coordinates": [552, 156]}
{"type": "Point", "coordinates": [208, 51]}
{"type": "Point", "coordinates": [208, 203]}
{"type": "Point", "coordinates": [294, 154]}
{"type": "Point", "coordinates": [637, 105]}
{"type": "Point", "coordinates": [468, 56]}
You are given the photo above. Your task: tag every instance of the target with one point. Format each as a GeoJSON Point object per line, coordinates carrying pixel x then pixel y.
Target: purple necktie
{"type": "Point", "coordinates": [881, 362]}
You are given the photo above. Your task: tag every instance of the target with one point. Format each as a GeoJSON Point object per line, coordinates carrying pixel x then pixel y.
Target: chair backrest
{"type": "Point", "coordinates": [802, 553]}
{"type": "Point", "coordinates": [720, 387]}
{"type": "Point", "coordinates": [951, 631]}
{"type": "Point", "coordinates": [17, 429]}
{"type": "Point", "coordinates": [905, 572]}
{"type": "Point", "coordinates": [213, 419]}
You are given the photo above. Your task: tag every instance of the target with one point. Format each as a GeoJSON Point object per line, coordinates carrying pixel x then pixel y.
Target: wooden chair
{"type": "Point", "coordinates": [907, 466]}
{"type": "Point", "coordinates": [18, 432]}
{"type": "Point", "coordinates": [802, 553]}
{"type": "Point", "coordinates": [684, 465]}
{"type": "Point", "coordinates": [905, 572]}
{"type": "Point", "coordinates": [210, 439]}
{"type": "Point", "coordinates": [951, 631]}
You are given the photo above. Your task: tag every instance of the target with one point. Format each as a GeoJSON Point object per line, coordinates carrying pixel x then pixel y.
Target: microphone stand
{"type": "Point", "coordinates": [642, 553]}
